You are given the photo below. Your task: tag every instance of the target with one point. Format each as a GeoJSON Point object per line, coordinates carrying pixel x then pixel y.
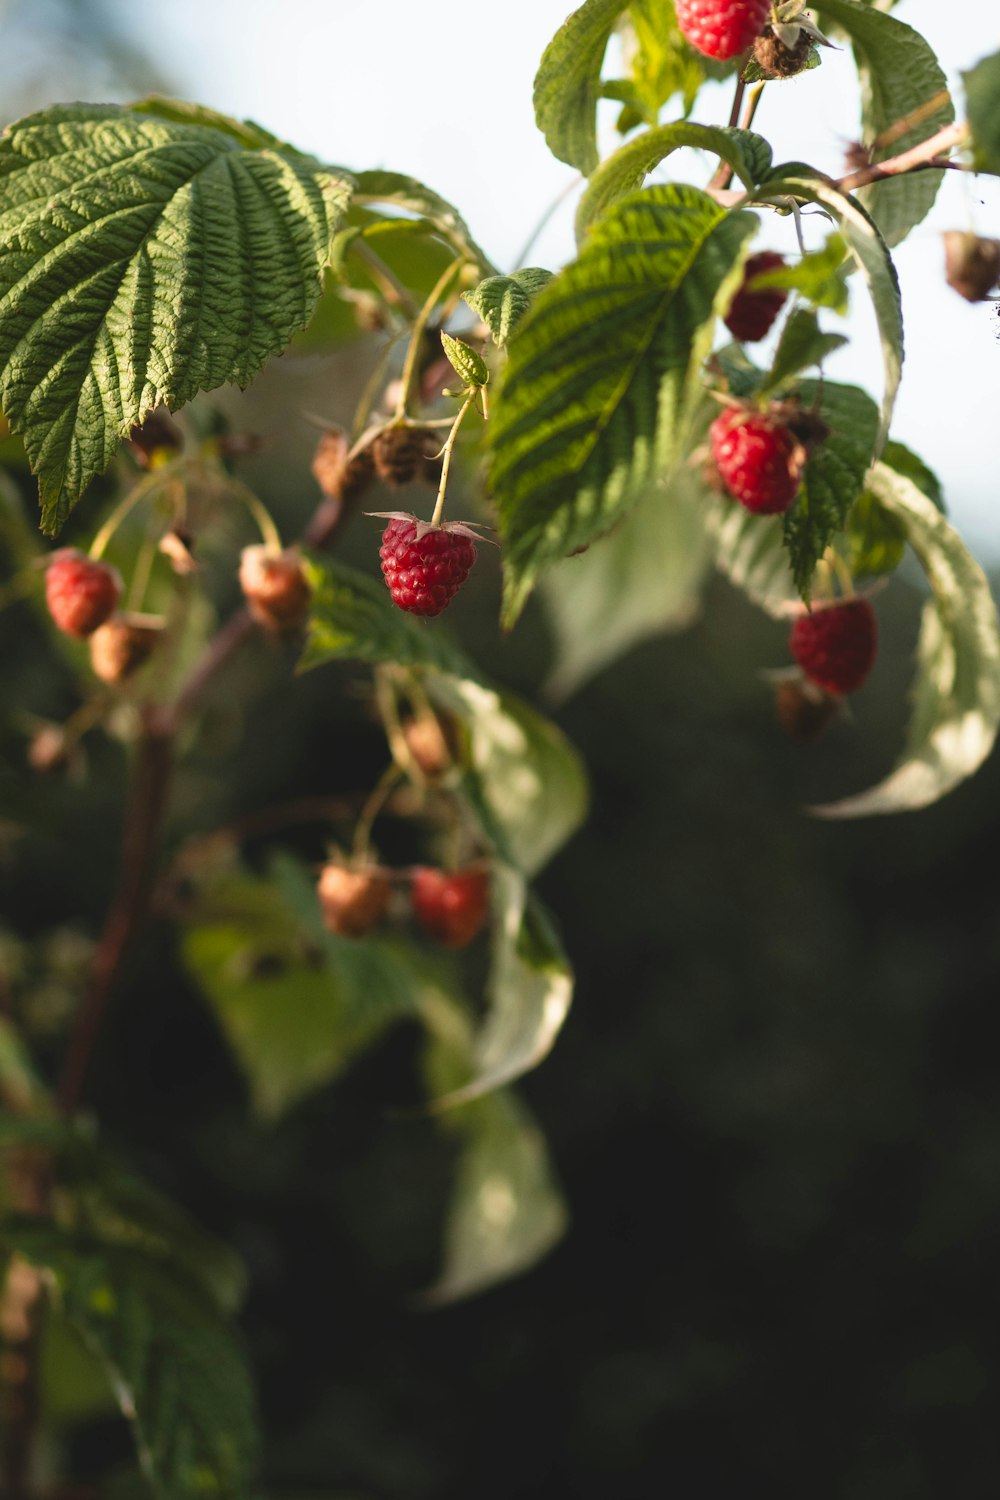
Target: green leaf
{"type": "Point", "coordinates": [982, 100]}
{"type": "Point", "coordinates": [469, 366]}
{"type": "Point", "coordinates": [660, 62]}
{"type": "Point", "coordinates": [750, 551]}
{"type": "Point", "coordinates": [820, 275]}
{"type": "Point", "coordinates": [178, 1373]}
{"type": "Point", "coordinates": [802, 344]}
{"type": "Point", "coordinates": [568, 83]}
{"type": "Point", "coordinates": [903, 460]}
{"type": "Point", "coordinates": [353, 619]}
{"type": "Point", "coordinates": [408, 193]}
{"type": "Point", "coordinates": [529, 991]}
{"type": "Point", "coordinates": [835, 473]}
{"type": "Point", "coordinates": [295, 1003]}
{"type": "Point", "coordinates": [598, 390]}
{"type": "Point", "coordinates": [523, 779]}
{"type": "Point", "coordinates": [871, 256]}
{"type": "Point", "coordinates": [643, 579]}
{"type": "Point", "coordinates": [20, 1087]}
{"type": "Point", "coordinates": [956, 699]}
{"type": "Point", "coordinates": [506, 1208]}
{"type": "Point", "coordinates": [748, 154]}
{"type": "Point", "coordinates": [876, 541]}
{"type": "Point", "coordinates": [143, 259]}
{"type": "Point", "coordinates": [899, 75]}
{"type": "Point", "coordinates": [502, 301]}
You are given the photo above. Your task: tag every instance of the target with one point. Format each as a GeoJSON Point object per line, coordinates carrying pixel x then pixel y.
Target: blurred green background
{"type": "Point", "coordinates": [773, 1108]}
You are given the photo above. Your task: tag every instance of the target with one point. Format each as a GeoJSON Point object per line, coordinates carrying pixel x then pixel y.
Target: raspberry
{"type": "Point", "coordinates": [353, 901]}
{"type": "Point", "coordinates": [751, 312]}
{"type": "Point", "coordinates": [722, 28]}
{"type": "Point", "coordinates": [759, 459]}
{"type": "Point", "coordinates": [775, 58]}
{"type": "Point", "coordinates": [120, 646]}
{"type": "Point", "coordinates": [434, 743]}
{"type": "Point", "coordinates": [450, 906]}
{"type": "Point", "coordinates": [835, 644]}
{"type": "Point", "coordinates": [275, 587]}
{"type": "Point", "coordinates": [80, 593]}
{"type": "Point", "coordinates": [972, 264]}
{"type": "Point", "coordinates": [425, 566]}
{"type": "Point", "coordinates": [400, 454]}
{"type": "Point", "coordinates": [339, 477]}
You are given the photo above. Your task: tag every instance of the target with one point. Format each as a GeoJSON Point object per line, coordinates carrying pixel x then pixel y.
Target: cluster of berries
{"type": "Point", "coordinates": [781, 37]}
{"type": "Point", "coordinates": [450, 905]}
{"type": "Point", "coordinates": [83, 596]}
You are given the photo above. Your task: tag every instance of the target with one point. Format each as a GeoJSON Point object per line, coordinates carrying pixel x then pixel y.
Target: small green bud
{"type": "Point", "coordinates": [466, 363]}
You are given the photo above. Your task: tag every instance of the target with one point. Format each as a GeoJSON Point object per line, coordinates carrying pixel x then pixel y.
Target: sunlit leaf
{"type": "Point", "coordinates": [502, 301]}
{"type": "Point", "coordinates": [567, 84]}
{"type": "Point", "coordinates": [144, 258]}
{"type": "Point", "coordinates": [956, 698]}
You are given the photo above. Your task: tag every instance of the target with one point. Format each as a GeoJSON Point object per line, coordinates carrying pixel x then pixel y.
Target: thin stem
{"type": "Point", "coordinates": [392, 289]}
{"type": "Point", "coordinates": [536, 233]}
{"type": "Point", "coordinates": [375, 380]}
{"type": "Point", "coordinates": [373, 806]}
{"type": "Point", "coordinates": [446, 453]}
{"type": "Point", "coordinates": [734, 113]}
{"type": "Point", "coordinates": [141, 491]}
{"type": "Point", "coordinates": [270, 535]}
{"type": "Point", "coordinates": [417, 332]}
{"type": "Point", "coordinates": [916, 117]}
{"type": "Point", "coordinates": [139, 581]}
{"type": "Point", "coordinates": [917, 158]}
{"type": "Point", "coordinates": [723, 174]}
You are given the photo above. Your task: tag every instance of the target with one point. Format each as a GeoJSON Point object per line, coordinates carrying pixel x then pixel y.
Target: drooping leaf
{"type": "Point", "coordinates": [900, 76]}
{"type": "Point", "coordinates": [295, 1003]}
{"type": "Point", "coordinates": [956, 698]}
{"type": "Point", "coordinates": [801, 345]}
{"type": "Point", "coordinates": [641, 580]}
{"type": "Point", "coordinates": [870, 255]}
{"type": "Point", "coordinates": [395, 188]}
{"type": "Point", "coordinates": [603, 375]}
{"type": "Point", "coordinates": [748, 154]}
{"type": "Point", "coordinates": [982, 102]}
{"type": "Point", "coordinates": [502, 301]}
{"type": "Point", "coordinates": [529, 992]}
{"type": "Point", "coordinates": [567, 84]}
{"type": "Point", "coordinates": [750, 551]}
{"type": "Point", "coordinates": [834, 475]}
{"type": "Point", "coordinates": [143, 259]}
{"type": "Point", "coordinates": [506, 1209]}
{"type": "Point", "coordinates": [524, 781]}
{"type": "Point", "coordinates": [876, 541]}
{"type": "Point", "coordinates": [176, 1368]}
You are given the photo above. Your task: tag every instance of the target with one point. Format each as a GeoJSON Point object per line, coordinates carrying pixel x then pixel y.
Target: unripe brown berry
{"type": "Point", "coordinates": [275, 587]}
{"type": "Point", "coordinates": [803, 709]}
{"type": "Point", "coordinates": [971, 264]}
{"type": "Point", "coordinates": [433, 742]}
{"type": "Point", "coordinates": [352, 901]}
{"type": "Point", "coordinates": [403, 453]}
{"type": "Point", "coordinates": [339, 477]}
{"type": "Point", "coordinates": [123, 644]}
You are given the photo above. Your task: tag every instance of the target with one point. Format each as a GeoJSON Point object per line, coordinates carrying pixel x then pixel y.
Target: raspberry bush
{"type": "Point", "coordinates": [606, 426]}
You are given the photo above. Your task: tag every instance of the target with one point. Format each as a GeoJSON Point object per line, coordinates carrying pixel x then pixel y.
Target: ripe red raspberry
{"type": "Point", "coordinates": [751, 313]}
{"type": "Point", "coordinates": [759, 459]}
{"type": "Point", "coordinates": [450, 905]}
{"type": "Point", "coordinates": [81, 594]}
{"type": "Point", "coordinates": [352, 901]}
{"type": "Point", "coordinates": [275, 587]}
{"type": "Point", "coordinates": [835, 644]}
{"type": "Point", "coordinates": [722, 28]}
{"type": "Point", "coordinates": [425, 566]}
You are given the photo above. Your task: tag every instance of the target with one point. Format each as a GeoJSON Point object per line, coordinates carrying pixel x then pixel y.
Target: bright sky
{"type": "Point", "coordinates": [444, 92]}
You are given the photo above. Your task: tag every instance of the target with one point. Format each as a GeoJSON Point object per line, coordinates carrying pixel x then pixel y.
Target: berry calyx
{"type": "Point", "coordinates": [80, 593]}
{"type": "Point", "coordinates": [722, 28]}
{"type": "Point", "coordinates": [275, 586]}
{"type": "Point", "coordinates": [451, 906]}
{"type": "Point", "coordinates": [352, 901]}
{"type": "Point", "coordinates": [123, 644]}
{"type": "Point", "coordinates": [836, 644]}
{"type": "Point", "coordinates": [760, 459]}
{"type": "Point", "coordinates": [425, 566]}
{"type": "Point", "coordinates": [753, 311]}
